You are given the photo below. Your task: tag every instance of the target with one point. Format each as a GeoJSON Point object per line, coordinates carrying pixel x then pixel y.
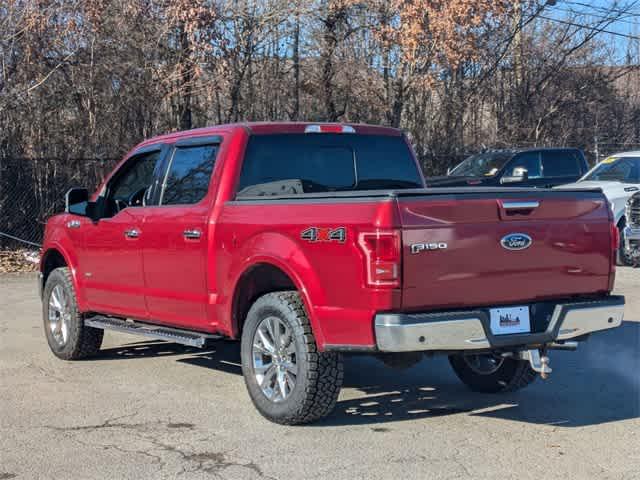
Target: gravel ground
{"type": "Point", "coordinates": [157, 410]}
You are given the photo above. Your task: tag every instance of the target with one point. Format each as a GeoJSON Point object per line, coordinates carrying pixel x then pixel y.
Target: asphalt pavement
{"type": "Point", "coordinates": [146, 409]}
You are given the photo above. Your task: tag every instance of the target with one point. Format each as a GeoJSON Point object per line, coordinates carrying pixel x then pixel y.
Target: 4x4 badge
{"type": "Point", "coordinates": [317, 234]}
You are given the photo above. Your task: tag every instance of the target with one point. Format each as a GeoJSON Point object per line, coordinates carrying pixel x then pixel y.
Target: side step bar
{"type": "Point", "coordinates": [175, 335]}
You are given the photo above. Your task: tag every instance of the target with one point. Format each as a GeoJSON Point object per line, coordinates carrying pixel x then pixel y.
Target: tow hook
{"type": "Point", "coordinates": [538, 362]}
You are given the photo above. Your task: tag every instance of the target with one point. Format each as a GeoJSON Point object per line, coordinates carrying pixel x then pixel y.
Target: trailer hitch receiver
{"type": "Point", "coordinates": [538, 362]}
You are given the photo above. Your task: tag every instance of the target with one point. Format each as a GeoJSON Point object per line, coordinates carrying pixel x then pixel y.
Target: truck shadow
{"type": "Point", "coordinates": [600, 383]}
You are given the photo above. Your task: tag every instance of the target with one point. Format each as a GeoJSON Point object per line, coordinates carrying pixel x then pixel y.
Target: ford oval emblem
{"type": "Point", "coordinates": [516, 241]}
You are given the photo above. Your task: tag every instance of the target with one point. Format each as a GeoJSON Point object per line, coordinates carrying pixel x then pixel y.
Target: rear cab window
{"type": "Point", "coordinates": [291, 164]}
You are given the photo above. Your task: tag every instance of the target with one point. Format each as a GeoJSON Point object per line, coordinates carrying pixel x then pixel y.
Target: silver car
{"type": "Point", "coordinates": [632, 230]}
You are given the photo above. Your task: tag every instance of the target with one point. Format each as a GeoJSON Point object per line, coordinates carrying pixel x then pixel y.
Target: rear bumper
{"type": "Point", "coordinates": [470, 330]}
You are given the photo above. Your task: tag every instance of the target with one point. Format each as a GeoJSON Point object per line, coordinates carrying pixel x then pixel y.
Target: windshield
{"type": "Point", "coordinates": [616, 169]}
{"type": "Point", "coordinates": [481, 165]}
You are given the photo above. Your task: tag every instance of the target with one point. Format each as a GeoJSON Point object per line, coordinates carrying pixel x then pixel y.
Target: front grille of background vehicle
{"type": "Point", "coordinates": [633, 211]}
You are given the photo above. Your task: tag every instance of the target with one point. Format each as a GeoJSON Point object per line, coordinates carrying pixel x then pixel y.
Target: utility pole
{"type": "Point", "coordinates": [596, 149]}
{"type": "Point", "coordinates": [517, 41]}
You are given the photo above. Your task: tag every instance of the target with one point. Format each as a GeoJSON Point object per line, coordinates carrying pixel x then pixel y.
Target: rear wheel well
{"type": "Point", "coordinates": [258, 280]}
{"type": "Point", "coordinates": [52, 259]}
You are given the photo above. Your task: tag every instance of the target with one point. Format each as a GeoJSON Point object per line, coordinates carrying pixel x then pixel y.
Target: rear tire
{"type": "Point", "coordinates": [506, 374]}
{"type": "Point", "coordinates": [67, 335]}
{"type": "Point", "coordinates": [288, 380]}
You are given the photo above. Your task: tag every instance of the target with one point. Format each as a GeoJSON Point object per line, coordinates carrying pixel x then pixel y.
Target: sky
{"type": "Point", "coordinates": [589, 12]}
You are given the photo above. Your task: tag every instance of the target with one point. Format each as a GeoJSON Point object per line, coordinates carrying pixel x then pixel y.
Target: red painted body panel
{"type": "Point", "coordinates": [110, 265]}
{"type": "Point", "coordinates": [570, 253]}
{"type": "Point", "coordinates": [175, 268]}
{"type": "Point", "coordinates": [163, 277]}
{"type": "Point", "coordinates": [331, 274]}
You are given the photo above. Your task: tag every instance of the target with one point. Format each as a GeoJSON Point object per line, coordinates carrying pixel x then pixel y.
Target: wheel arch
{"type": "Point", "coordinates": [54, 256]}
{"type": "Point", "coordinates": [265, 275]}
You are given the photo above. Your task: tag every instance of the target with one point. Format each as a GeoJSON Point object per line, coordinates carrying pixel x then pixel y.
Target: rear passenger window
{"type": "Point", "coordinates": [560, 164]}
{"type": "Point", "coordinates": [187, 180]}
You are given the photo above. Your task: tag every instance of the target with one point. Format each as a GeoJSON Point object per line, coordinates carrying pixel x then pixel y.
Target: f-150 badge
{"type": "Point", "coordinates": [426, 247]}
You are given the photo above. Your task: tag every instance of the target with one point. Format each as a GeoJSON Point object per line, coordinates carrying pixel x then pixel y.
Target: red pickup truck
{"type": "Point", "coordinates": [306, 241]}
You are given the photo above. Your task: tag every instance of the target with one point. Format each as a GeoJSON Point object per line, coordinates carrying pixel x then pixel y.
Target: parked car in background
{"type": "Point", "coordinates": [534, 167]}
{"type": "Point", "coordinates": [632, 230]}
{"type": "Point", "coordinates": [619, 178]}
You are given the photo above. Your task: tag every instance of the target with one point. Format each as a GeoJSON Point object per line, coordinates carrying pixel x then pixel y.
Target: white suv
{"type": "Point", "coordinates": [632, 230]}
{"type": "Point", "coordinates": [619, 178]}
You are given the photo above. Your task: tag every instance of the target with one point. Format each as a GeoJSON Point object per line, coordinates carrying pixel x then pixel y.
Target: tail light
{"type": "Point", "coordinates": [615, 238]}
{"type": "Point", "coordinates": [382, 250]}
{"type": "Point", "coordinates": [615, 245]}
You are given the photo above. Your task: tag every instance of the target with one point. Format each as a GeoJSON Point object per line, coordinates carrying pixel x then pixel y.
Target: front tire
{"type": "Point", "coordinates": [623, 259]}
{"type": "Point", "coordinates": [489, 373]}
{"type": "Point", "coordinates": [288, 380]}
{"type": "Point", "coordinates": [67, 335]}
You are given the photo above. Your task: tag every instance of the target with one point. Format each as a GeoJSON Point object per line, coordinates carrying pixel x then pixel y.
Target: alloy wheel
{"type": "Point", "coordinates": [274, 359]}
{"type": "Point", "coordinates": [484, 364]}
{"type": "Point", "coordinates": [59, 315]}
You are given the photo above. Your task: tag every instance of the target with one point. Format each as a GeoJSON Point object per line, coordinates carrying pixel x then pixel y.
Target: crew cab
{"type": "Point", "coordinates": [532, 167]}
{"type": "Point", "coordinates": [307, 241]}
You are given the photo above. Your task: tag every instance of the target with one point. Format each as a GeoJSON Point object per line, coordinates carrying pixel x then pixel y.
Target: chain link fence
{"type": "Point", "coordinates": [33, 189]}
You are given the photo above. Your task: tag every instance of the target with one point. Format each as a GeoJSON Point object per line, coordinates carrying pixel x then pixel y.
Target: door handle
{"type": "Point", "coordinates": [73, 224]}
{"type": "Point", "coordinates": [132, 233]}
{"type": "Point", "coordinates": [520, 205]}
{"type": "Point", "coordinates": [192, 234]}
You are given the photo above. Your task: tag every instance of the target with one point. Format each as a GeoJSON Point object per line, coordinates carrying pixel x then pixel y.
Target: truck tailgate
{"type": "Point", "coordinates": [469, 248]}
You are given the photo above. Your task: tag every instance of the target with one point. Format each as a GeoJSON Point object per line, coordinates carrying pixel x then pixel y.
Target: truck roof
{"type": "Point", "coordinates": [633, 153]}
{"type": "Point", "coordinates": [513, 151]}
{"type": "Point", "coordinates": [264, 128]}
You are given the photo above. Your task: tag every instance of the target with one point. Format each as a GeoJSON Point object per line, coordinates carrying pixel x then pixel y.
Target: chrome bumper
{"type": "Point", "coordinates": [456, 331]}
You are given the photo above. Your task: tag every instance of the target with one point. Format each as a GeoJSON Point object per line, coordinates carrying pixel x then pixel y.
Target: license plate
{"type": "Point", "coordinates": [510, 320]}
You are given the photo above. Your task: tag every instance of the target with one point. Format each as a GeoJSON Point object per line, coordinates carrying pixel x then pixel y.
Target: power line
{"type": "Point", "coordinates": [589, 27]}
{"type": "Point", "coordinates": [600, 16]}
{"type": "Point", "coordinates": [628, 11]}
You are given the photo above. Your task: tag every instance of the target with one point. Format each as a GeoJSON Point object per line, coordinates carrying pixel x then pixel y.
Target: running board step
{"type": "Point", "coordinates": [175, 335]}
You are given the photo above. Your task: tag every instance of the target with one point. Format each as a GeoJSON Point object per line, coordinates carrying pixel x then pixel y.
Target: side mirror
{"type": "Point", "coordinates": [76, 201]}
{"type": "Point", "coordinates": [520, 174]}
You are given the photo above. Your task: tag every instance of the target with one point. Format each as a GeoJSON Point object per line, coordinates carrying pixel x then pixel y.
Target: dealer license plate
{"type": "Point", "coordinates": [510, 320]}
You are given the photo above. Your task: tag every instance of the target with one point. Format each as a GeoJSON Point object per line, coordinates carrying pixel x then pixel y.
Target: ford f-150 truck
{"type": "Point", "coordinates": [306, 241]}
